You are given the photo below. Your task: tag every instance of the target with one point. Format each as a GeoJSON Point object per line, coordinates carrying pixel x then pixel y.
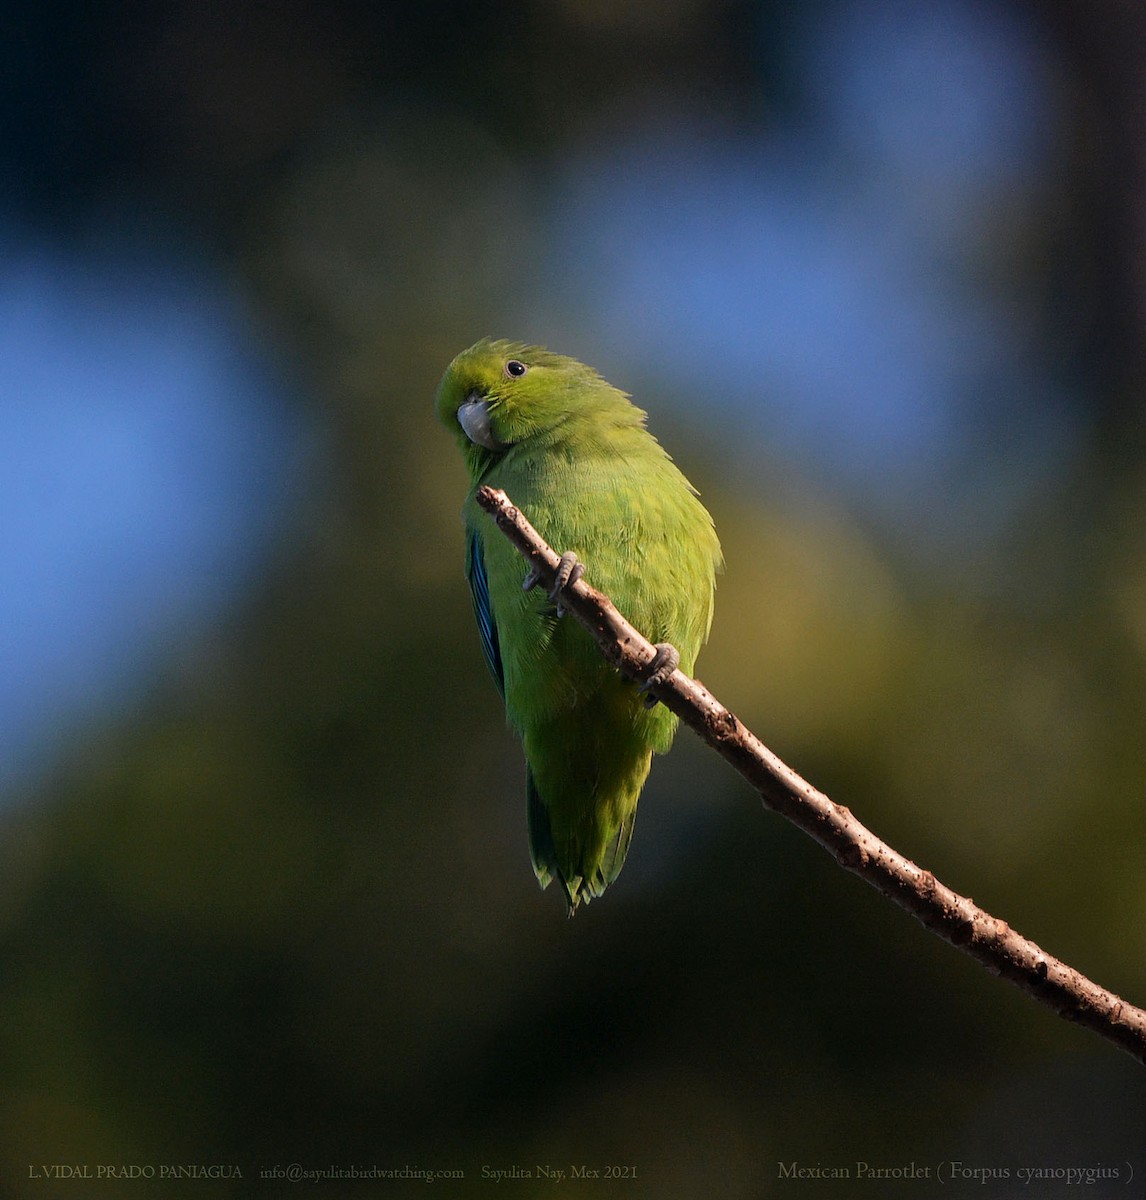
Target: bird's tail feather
{"type": "Point", "coordinates": [576, 888]}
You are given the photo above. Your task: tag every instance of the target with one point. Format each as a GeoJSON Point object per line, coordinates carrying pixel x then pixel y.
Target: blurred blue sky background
{"type": "Point", "coordinates": [147, 450]}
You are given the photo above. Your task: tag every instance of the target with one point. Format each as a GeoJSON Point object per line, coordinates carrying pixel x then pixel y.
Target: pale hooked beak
{"type": "Point", "coordinates": [473, 417]}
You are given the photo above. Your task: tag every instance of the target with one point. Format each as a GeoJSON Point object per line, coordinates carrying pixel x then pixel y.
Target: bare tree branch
{"type": "Point", "coordinates": [956, 918]}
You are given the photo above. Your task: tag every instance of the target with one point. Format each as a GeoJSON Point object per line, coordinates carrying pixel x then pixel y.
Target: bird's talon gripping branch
{"type": "Point", "coordinates": [568, 572]}
{"type": "Point", "coordinates": [665, 662]}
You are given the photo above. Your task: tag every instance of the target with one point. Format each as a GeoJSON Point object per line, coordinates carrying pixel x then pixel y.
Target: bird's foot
{"type": "Point", "coordinates": [664, 663]}
{"type": "Point", "coordinates": [569, 570]}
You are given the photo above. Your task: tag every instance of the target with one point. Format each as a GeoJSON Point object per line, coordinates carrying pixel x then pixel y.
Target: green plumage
{"type": "Point", "coordinates": [574, 454]}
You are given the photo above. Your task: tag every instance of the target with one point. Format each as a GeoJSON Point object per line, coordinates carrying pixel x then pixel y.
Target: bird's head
{"type": "Point", "coordinates": [499, 394]}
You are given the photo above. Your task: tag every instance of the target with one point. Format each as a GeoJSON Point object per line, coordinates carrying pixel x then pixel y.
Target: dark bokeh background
{"type": "Point", "coordinates": [878, 271]}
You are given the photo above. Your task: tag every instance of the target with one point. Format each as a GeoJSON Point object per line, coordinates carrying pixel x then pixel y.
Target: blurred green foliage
{"type": "Point", "coordinates": [284, 911]}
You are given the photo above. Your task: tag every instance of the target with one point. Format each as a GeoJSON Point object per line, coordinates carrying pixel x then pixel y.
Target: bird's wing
{"type": "Point", "coordinates": [483, 612]}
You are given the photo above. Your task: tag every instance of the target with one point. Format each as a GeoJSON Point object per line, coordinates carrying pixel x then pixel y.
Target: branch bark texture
{"type": "Point", "coordinates": [953, 917]}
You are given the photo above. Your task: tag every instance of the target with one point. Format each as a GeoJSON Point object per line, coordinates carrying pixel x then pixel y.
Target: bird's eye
{"type": "Point", "coordinates": [515, 368]}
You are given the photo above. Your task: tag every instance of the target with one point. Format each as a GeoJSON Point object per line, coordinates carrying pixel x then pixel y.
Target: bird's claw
{"type": "Point", "coordinates": [569, 570]}
{"type": "Point", "coordinates": [664, 663]}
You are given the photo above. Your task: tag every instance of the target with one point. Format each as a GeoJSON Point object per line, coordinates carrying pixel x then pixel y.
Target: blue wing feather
{"type": "Point", "coordinates": [479, 593]}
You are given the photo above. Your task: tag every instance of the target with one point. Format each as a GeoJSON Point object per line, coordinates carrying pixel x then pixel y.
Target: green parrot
{"type": "Point", "coordinates": [573, 453]}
